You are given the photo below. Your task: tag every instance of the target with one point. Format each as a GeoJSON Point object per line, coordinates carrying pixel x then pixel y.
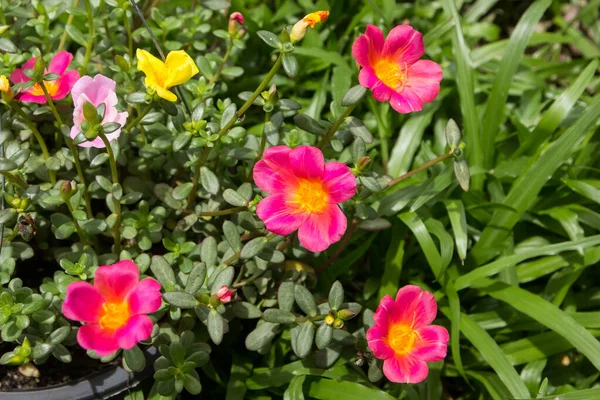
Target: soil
{"type": "Point", "coordinates": [52, 373]}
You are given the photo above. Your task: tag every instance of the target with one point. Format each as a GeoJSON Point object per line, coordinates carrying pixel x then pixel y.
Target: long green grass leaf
{"type": "Point", "coordinates": [418, 228]}
{"type": "Point", "coordinates": [327, 389]}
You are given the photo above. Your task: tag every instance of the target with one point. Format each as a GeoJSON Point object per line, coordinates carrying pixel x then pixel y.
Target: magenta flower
{"type": "Point", "coordinates": [304, 195]}
{"type": "Point", "coordinates": [403, 337]}
{"type": "Point", "coordinates": [392, 70]}
{"type": "Point", "coordinates": [99, 90]}
{"type": "Point", "coordinates": [57, 89]}
{"type": "Point", "coordinates": [114, 309]}
{"type": "Point", "coordinates": [224, 294]}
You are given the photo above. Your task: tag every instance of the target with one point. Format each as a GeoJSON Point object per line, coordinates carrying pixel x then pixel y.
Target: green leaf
{"type": "Point", "coordinates": [230, 231]}
{"type": "Point", "coordinates": [182, 191]}
{"type": "Point", "coordinates": [353, 95]}
{"type": "Point", "coordinates": [76, 35]}
{"type": "Point", "coordinates": [309, 124]}
{"type": "Point", "coordinates": [305, 300]}
{"type": "Point", "coordinates": [303, 340]}
{"type": "Point", "coordinates": [261, 336]}
{"type": "Point", "coordinates": [285, 296]}
{"type": "Point", "coordinates": [294, 390]}
{"type": "Point", "coordinates": [253, 247]}
{"type": "Point", "coordinates": [244, 310]}
{"type": "Point", "coordinates": [135, 358]}
{"type": "Point", "coordinates": [458, 220]}
{"type": "Point", "coordinates": [224, 278]}
{"type": "Point", "coordinates": [329, 389]}
{"type": "Point", "coordinates": [336, 296]}
{"type": "Point", "coordinates": [241, 368]}
{"type": "Point", "coordinates": [234, 198]}
{"type": "Point", "coordinates": [209, 181]}
{"type": "Point", "coordinates": [526, 188]}
{"type": "Point", "coordinates": [163, 272]}
{"type": "Point", "coordinates": [216, 326]}
{"type": "Point", "coordinates": [7, 165]}
{"type": "Point", "coordinates": [278, 316]}
{"type": "Point", "coordinates": [182, 300]}
{"type": "Point", "coordinates": [196, 278]}
{"type": "Point", "coordinates": [269, 38]}
{"type": "Point", "coordinates": [390, 279]}
{"type": "Point", "coordinates": [7, 46]}
{"type": "Point", "coordinates": [228, 114]}
{"type": "Point", "coordinates": [418, 228]}
{"type": "Point", "coordinates": [290, 65]}
{"type": "Point", "coordinates": [323, 336]}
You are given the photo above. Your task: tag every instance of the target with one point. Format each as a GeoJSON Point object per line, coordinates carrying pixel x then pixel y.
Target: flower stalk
{"type": "Point", "coordinates": [336, 125]}
{"type": "Point", "coordinates": [90, 42]}
{"type": "Point", "coordinates": [421, 168]}
{"type": "Point", "coordinates": [116, 229]}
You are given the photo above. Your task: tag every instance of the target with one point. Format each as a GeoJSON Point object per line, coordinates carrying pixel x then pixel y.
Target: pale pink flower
{"type": "Point", "coordinates": [404, 337]}
{"type": "Point", "coordinates": [304, 195]}
{"type": "Point", "coordinates": [224, 294]}
{"type": "Point", "coordinates": [392, 70]}
{"type": "Point", "coordinates": [114, 309]}
{"type": "Point", "coordinates": [58, 89]}
{"type": "Point", "coordinates": [97, 90]}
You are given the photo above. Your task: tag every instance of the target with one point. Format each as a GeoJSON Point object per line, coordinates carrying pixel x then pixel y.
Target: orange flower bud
{"type": "Point", "coordinates": [300, 28]}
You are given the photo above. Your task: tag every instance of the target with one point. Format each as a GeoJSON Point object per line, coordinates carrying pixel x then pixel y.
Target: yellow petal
{"type": "Point", "coordinates": [180, 68]}
{"type": "Point", "coordinates": [161, 91]}
{"type": "Point", "coordinates": [154, 68]}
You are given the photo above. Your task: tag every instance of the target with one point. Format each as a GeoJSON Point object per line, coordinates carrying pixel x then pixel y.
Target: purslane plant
{"type": "Point", "coordinates": [201, 202]}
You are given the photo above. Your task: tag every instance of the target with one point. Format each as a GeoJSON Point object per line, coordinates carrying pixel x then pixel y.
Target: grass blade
{"type": "Point", "coordinates": [458, 220]}
{"type": "Point", "coordinates": [393, 262]}
{"type": "Point", "coordinates": [418, 228]}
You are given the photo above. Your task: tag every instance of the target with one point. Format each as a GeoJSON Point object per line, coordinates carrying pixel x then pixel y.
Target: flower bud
{"type": "Point", "coordinates": [300, 28]}
{"type": "Point", "coordinates": [39, 68]}
{"type": "Point", "coordinates": [224, 294]}
{"type": "Point", "coordinates": [273, 96]}
{"type": "Point", "coordinates": [346, 314]}
{"type": "Point", "coordinates": [236, 20]}
{"type": "Point", "coordinates": [89, 112]}
{"type": "Point", "coordinates": [66, 191]}
{"type": "Point", "coordinates": [363, 163]}
{"type": "Point", "coordinates": [338, 323]}
{"type": "Point", "coordinates": [202, 297]}
{"type": "Point", "coordinates": [329, 319]}
{"type": "Point", "coordinates": [7, 93]}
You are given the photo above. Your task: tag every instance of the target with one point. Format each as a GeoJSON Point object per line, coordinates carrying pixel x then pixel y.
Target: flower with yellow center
{"type": "Point", "coordinates": [114, 315]}
{"type": "Point", "coordinates": [177, 69]}
{"type": "Point", "coordinates": [310, 196]}
{"type": "Point", "coordinates": [402, 338]}
{"type": "Point", "coordinates": [300, 28]}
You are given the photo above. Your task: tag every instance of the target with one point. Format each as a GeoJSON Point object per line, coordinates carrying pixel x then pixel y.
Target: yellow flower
{"type": "Point", "coordinates": [177, 69]}
{"type": "Point", "coordinates": [5, 88]}
{"type": "Point", "coordinates": [300, 28]}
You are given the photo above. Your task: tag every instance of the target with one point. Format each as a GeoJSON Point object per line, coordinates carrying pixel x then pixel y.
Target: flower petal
{"type": "Point", "coordinates": [406, 102]}
{"type": "Point", "coordinates": [138, 328]}
{"type": "Point", "coordinates": [278, 216]}
{"type": "Point", "coordinates": [307, 162]}
{"type": "Point", "coordinates": [60, 62]}
{"type": "Point", "coordinates": [145, 298]}
{"type": "Point", "coordinates": [319, 231]}
{"type": "Point", "coordinates": [116, 281]}
{"type": "Point", "coordinates": [65, 83]}
{"type": "Point", "coordinates": [272, 173]}
{"type": "Point", "coordinates": [405, 369]}
{"type": "Point", "coordinates": [97, 89]}
{"type": "Point", "coordinates": [151, 66]}
{"type": "Point", "coordinates": [424, 78]}
{"type": "Point", "coordinates": [404, 45]}
{"type": "Point", "coordinates": [376, 39]}
{"type": "Point", "coordinates": [180, 68]}
{"type": "Point", "coordinates": [83, 302]}
{"type": "Point", "coordinates": [380, 349]}
{"type": "Point", "coordinates": [416, 305]}
{"type": "Point", "coordinates": [27, 97]}
{"type": "Point", "coordinates": [93, 337]}
{"type": "Point", "coordinates": [387, 306]}
{"type": "Point", "coordinates": [18, 76]}
{"type": "Point", "coordinates": [367, 48]}
{"type": "Point", "coordinates": [339, 182]}
{"type": "Point", "coordinates": [433, 343]}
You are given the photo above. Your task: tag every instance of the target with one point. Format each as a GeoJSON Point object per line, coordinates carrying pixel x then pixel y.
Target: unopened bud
{"type": "Point", "coordinates": [300, 28]}
{"type": "Point", "coordinates": [89, 112]}
{"type": "Point", "coordinates": [39, 68]}
{"type": "Point", "coordinates": [338, 323]}
{"type": "Point", "coordinates": [66, 191]}
{"type": "Point", "coordinates": [273, 96]}
{"type": "Point", "coordinates": [202, 298]}
{"type": "Point", "coordinates": [236, 20]}
{"type": "Point", "coordinates": [7, 93]}
{"type": "Point", "coordinates": [346, 314]}
{"type": "Point", "coordinates": [224, 294]}
{"type": "Point", "coordinates": [329, 320]}
{"type": "Point", "coordinates": [363, 163]}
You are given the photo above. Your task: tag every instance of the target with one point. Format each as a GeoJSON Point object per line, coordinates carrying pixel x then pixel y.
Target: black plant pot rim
{"type": "Point", "coordinates": [100, 385]}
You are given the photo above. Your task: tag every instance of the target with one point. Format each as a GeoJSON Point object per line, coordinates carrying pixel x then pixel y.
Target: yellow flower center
{"type": "Point", "coordinates": [391, 74]}
{"type": "Point", "coordinates": [401, 338]}
{"type": "Point", "coordinates": [114, 315]}
{"type": "Point", "coordinates": [310, 196]}
{"type": "Point", "coordinates": [51, 87]}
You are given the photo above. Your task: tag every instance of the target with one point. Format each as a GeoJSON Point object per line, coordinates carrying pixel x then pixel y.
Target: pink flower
{"type": "Point", "coordinates": [99, 90]}
{"type": "Point", "coordinates": [114, 309]}
{"type": "Point", "coordinates": [57, 89]}
{"type": "Point", "coordinates": [224, 294]}
{"type": "Point", "coordinates": [403, 337]}
{"type": "Point", "coordinates": [237, 16]}
{"type": "Point", "coordinates": [304, 195]}
{"type": "Point", "coordinates": [392, 70]}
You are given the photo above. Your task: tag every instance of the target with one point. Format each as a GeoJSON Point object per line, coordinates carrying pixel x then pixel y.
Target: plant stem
{"type": "Point", "coordinates": [63, 38]}
{"type": "Point", "coordinates": [227, 127]}
{"type": "Point", "coordinates": [74, 151]}
{"type": "Point", "coordinates": [138, 118]}
{"type": "Point", "coordinates": [421, 168]}
{"type": "Point", "coordinates": [116, 229]}
{"type": "Point", "coordinates": [129, 37]}
{"type": "Point", "coordinates": [38, 136]}
{"type": "Point", "coordinates": [82, 237]}
{"type": "Point", "coordinates": [222, 65]}
{"type": "Point", "coordinates": [90, 42]}
{"type": "Point", "coordinates": [14, 179]}
{"type": "Point", "coordinates": [323, 142]}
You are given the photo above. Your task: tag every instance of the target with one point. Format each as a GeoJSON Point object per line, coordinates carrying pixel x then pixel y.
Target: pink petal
{"type": "Point", "coordinates": [319, 231]}
{"type": "Point", "coordinates": [406, 102]}
{"type": "Point", "coordinates": [381, 92]}
{"type": "Point", "coordinates": [367, 78]}
{"type": "Point", "coordinates": [339, 182]}
{"type": "Point", "coordinates": [415, 305]}
{"type": "Point", "coordinates": [145, 298]}
{"type": "Point", "coordinates": [65, 83]}
{"type": "Point", "coordinates": [272, 173]}
{"type": "Point", "coordinates": [278, 216]}
{"type": "Point", "coordinates": [116, 281]}
{"type": "Point", "coordinates": [60, 62]}
{"type": "Point", "coordinates": [138, 328]}
{"type": "Point", "coordinates": [367, 48]}
{"type": "Point", "coordinates": [18, 76]}
{"type": "Point", "coordinates": [424, 78]}
{"type": "Point", "coordinates": [83, 302]}
{"type": "Point", "coordinates": [376, 38]}
{"type": "Point", "coordinates": [405, 369]}
{"type": "Point", "coordinates": [386, 307]}
{"type": "Point", "coordinates": [380, 349]}
{"type": "Point", "coordinates": [360, 51]}
{"type": "Point", "coordinates": [30, 98]}
{"type": "Point", "coordinates": [404, 45]}
{"type": "Point", "coordinates": [97, 89]}
{"type": "Point", "coordinates": [93, 337]}
{"type": "Point", "coordinates": [433, 343]}
{"type": "Point", "coordinates": [307, 162]}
